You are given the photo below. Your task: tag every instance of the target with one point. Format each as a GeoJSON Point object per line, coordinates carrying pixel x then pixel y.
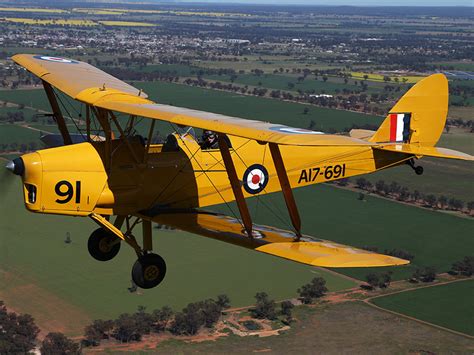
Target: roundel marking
{"type": "Point", "coordinates": [292, 130]}
{"type": "Point", "coordinates": [255, 178]}
{"type": "Point", "coordinates": [55, 59]}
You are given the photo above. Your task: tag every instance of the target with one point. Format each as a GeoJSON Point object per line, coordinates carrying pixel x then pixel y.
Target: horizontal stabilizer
{"type": "Point", "coordinates": [275, 241]}
{"type": "Point", "coordinates": [364, 134]}
{"type": "Point", "coordinates": [426, 151]}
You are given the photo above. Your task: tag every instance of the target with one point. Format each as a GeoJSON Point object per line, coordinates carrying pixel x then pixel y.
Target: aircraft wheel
{"type": "Point", "coordinates": [102, 245]}
{"type": "Point", "coordinates": [419, 170]}
{"type": "Point", "coordinates": [148, 271]}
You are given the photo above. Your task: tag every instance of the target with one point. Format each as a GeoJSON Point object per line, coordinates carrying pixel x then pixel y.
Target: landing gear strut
{"type": "Point", "coordinates": [104, 244]}
{"type": "Point", "coordinates": [418, 169]}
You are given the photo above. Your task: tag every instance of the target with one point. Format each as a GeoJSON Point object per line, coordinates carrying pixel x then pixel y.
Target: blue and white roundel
{"type": "Point", "coordinates": [255, 179]}
{"type": "Point", "coordinates": [55, 59]}
{"type": "Point", "coordinates": [292, 130]}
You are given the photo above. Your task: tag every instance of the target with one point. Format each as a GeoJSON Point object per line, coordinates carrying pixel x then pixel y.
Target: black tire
{"type": "Point", "coordinates": [148, 271]}
{"type": "Point", "coordinates": [102, 245]}
{"type": "Point", "coordinates": [419, 170]}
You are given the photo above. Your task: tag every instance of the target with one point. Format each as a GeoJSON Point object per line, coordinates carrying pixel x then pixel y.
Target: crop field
{"type": "Point", "coordinates": [379, 77]}
{"type": "Point", "coordinates": [76, 22]}
{"type": "Point", "coordinates": [352, 325]}
{"type": "Point", "coordinates": [446, 305]}
{"type": "Point", "coordinates": [34, 260]}
{"type": "Point", "coordinates": [282, 82]}
{"type": "Point", "coordinates": [62, 22]}
{"type": "Point", "coordinates": [32, 9]}
{"type": "Point", "coordinates": [10, 133]}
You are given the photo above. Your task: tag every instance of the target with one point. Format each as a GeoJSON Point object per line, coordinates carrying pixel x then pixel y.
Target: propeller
{"type": "Point", "coordinates": [6, 178]}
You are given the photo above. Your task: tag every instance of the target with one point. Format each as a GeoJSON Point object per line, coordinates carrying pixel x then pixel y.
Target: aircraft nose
{"type": "Point", "coordinates": [16, 166]}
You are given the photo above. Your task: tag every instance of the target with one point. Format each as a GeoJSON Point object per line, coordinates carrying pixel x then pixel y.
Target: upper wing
{"type": "Point", "coordinates": [90, 85]}
{"type": "Point", "coordinates": [274, 241]}
{"type": "Point", "coordinates": [71, 76]}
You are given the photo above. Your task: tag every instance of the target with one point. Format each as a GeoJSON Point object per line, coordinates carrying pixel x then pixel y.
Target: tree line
{"type": "Point", "coordinates": [402, 193]}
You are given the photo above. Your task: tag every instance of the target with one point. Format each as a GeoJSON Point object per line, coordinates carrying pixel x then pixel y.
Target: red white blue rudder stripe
{"type": "Point", "coordinates": [400, 127]}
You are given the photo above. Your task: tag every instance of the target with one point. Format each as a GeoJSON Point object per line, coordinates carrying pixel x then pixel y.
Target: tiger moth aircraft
{"type": "Point", "coordinates": [125, 176]}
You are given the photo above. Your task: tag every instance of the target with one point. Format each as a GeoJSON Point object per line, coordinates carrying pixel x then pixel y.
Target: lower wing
{"type": "Point", "coordinates": [274, 241]}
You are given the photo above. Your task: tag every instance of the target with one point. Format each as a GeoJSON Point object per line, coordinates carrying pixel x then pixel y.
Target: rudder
{"type": "Point", "coordinates": [419, 116]}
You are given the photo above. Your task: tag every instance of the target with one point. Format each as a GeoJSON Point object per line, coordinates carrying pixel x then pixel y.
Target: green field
{"type": "Point", "coordinates": [11, 133]}
{"type": "Point", "coordinates": [446, 305]}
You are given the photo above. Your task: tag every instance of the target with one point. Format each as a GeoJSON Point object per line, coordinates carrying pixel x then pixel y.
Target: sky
{"type": "Point", "coordinates": [352, 2]}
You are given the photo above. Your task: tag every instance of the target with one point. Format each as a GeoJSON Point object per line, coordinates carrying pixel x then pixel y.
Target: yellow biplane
{"type": "Point", "coordinates": [127, 176]}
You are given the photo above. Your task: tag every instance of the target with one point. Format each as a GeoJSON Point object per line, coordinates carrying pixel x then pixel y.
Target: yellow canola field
{"type": "Point", "coordinates": [29, 21]}
{"type": "Point", "coordinates": [379, 77]}
{"type": "Point", "coordinates": [114, 11]}
{"type": "Point", "coordinates": [31, 9]}
{"type": "Point", "coordinates": [126, 23]}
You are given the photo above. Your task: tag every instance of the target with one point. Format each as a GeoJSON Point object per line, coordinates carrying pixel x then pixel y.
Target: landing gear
{"type": "Point", "coordinates": [103, 245]}
{"type": "Point", "coordinates": [148, 271]}
{"type": "Point", "coordinates": [418, 169]}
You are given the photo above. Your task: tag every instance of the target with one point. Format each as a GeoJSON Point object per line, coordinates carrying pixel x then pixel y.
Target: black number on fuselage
{"type": "Point", "coordinates": [68, 194]}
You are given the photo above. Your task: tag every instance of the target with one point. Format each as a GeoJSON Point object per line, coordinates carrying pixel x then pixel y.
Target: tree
{"type": "Point", "coordinates": [161, 318]}
{"type": "Point", "coordinates": [372, 279]}
{"type": "Point", "coordinates": [127, 329]}
{"type": "Point", "coordinates": [223, 301]}
{"type": "Point", "coordinates": [305, 111]}
{"type": "Point", "coordinates": [264, 307]}
{"type": "Point", "coordinates": [465, 266]}
{"type": "Point", "coordinates": [144, 320]}
{"type": "Point", "coordinates": [470, 206]}
{"type": "Point", "coordinates": [426, 274]}
{"type": "Point", "coordinates": [17, 332]}
{"type": "Point", "coordinates": [431, 200]}
{"type": "Point", "coordinates": [286, 310]}
{"type": "Point", "coordinates": [58, 343]}
{"type": "Point", "coordinates": [315, 289]}
{"type": "Point", "coordinates": [380, 186]}
{"type": "Point", "coordinates": [361, 183]}
{"type": "Point", "coordinates": [97, 331]}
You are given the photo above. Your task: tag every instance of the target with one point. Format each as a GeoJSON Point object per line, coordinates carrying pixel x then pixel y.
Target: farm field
{"type": "Point", "coordinates": [352, 325]}
{"type": "Point", "coordinates": [446, 305]}
{"type": "Point", "coordinates": [10, 133]}
{"type": "Point", "coordinates": [76, 22]}
{"type": "Point", "coordinates": [379, 77]}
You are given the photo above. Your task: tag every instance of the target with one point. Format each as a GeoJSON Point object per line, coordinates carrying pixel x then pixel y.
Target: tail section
{"type": "Point", "coordinates": [419, 116]}
{"type": "Point", "coordinates": [414, 125]}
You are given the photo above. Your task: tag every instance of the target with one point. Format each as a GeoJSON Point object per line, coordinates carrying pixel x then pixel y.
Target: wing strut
{"type": "Point", "coordinates": [235, 184]}
{"type": "Point", "coordinates": [286, 188]}
{"type": "Point", "coordinates": [57, 113]}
